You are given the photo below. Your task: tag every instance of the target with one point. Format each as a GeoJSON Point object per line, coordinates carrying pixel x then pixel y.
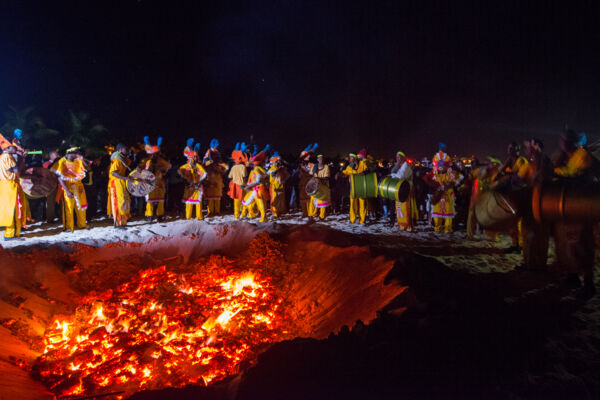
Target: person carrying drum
{"type": "Point", "coordinates": [12, 212]}
{"type": "Point", "coordinates": [119, 202]}
{"type": "Point", "coordinates": [305, 165]}
{"type": "Point", "coordinates": [256, 190]}
{"type": "Point", "coordinates": [405, 211]}
{"type": "Point", "coordinates": [71, 170]}
{"type": "Point", "coordinates": [350, 170]}
{"type": "Point", "coordinates": [362, 168]}
{"type": "Point", "coordinates": [155, 200]}
{"type": "Point", "coordinates": [238, 176]}
{"type": "Point", "coordinates": [278, 174]}
{"type": "Point", "coordinates": [321, 172]}
{"type": "Point", "coordinates": [193, 174]}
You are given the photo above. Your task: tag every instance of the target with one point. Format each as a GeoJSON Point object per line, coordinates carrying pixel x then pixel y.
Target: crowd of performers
{"type": "Point", "coordinates": [263, 185]}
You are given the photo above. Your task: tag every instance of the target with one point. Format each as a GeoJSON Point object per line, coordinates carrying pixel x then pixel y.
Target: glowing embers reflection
{"type": "Point", "coordinates": [163, 328]}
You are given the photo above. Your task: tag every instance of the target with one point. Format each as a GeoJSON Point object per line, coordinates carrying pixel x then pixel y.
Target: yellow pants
{"type": "Point", "coordinates": [249, 210]}
{"type": "Point", "coordinates": [14, 229]}
{"type": "Point", "coordinates": [314, 210]}
{"type": "Point", "coordinates": [262, 209]}
{"type": "Point", "coordinates": [363, 209]}
{"type": "Point", "coordinates": [70, 208]}
{"type": "Point", "coordinates": [440, 223]}
{"type": "Point", "coordinates": [304, 207]}
{"type": "Point", "coordinates": [160, 209]}
{"type": "Point", "coordinates": [189, 210]}
{"type": "Point", "coordinates": [213, 207]}
{"type": "Point", "coordinates": [237, 208]}
{"type": "Point", "coordinates": [353, 209]}
{"type": "Point", "coordinates": [310, 208]}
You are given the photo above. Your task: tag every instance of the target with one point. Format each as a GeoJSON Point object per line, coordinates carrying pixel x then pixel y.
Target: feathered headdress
{"type": "Point", "coordinates": [260, 158]}
{"type": "Point", "coordinates": [308, 150]}
{"type": "Point", "coordinates": [152, 149]}
{"type": "Point", "coordinates": [239, 153]}
{"type": "Point", "coordinates": [191, 150]}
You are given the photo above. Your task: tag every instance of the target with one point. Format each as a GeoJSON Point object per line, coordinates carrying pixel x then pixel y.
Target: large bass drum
{"type": "Point", "coordinates": [144, 183]}
{"type": "Point", "coordinates": [495, 211]}
{"type": "Point", "coordinates": [38, 182]}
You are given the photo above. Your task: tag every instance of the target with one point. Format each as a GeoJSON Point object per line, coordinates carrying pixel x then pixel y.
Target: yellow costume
{"type": "Point", "coordinates": [72, 173]}
{"type": "Point", "coordinates": [238, 176]}
{"type": "Point", "coordinates": [349, 171]}
{"type": "Point", "coordinates": [118, 197]}
{"type": "Point", "coordinates": [193, 174]}
{"type": "Point", "coordinates": [213, 188]}
{"type": "Point", "coordinates": [363, 204]}
{"type": "Point", "coordinates": [443, 210]}
{"type": "Point", "coordinates": [277, 178]}
{"type": "Point", "coordinates": [159, 168]}
{"type": "Point", "coordinates": [323, 174]}
{"type": "Point", "coordinates": [257, 195]}
{"type": "Point", "coordinates": [12, 212]}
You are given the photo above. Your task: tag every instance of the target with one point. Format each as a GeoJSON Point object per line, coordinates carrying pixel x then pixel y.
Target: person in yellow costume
{"type": "Point", "coordinates": [321, 171]}
{"type": "Point", "coordinates": [441, 155]}
{"type": "Point", "coordinates": [238, 176]}
{"type": "Point", "coordinates": [71, 170]}
{"type": "Point", "coordinates": [406, 211]}
{"type": "Point", "coordinates": [155, 200]}
{"type": "Point", "coordinates": [213, 187]}
{"type": "Point", "coordinates": [574, 241]}
{"type": "Point", "coordinates": [257, 193]}
{"type": "Point", "coordinates": [443, 210]}
{"type": "Point", "coordinates": [305, 165]}
{"type": "Point", "coordinates": [119, 202]}
{"type": "Point", "coordinates": [278, 174]}
{"type": "Point", "coordinates": [12, 212]}
{"type": "Point", "coordinates": [350, 170]}
{"type": "Point", "coordinates": [193, 174]}
{"type": "Point", "coordinates": [363, 169]}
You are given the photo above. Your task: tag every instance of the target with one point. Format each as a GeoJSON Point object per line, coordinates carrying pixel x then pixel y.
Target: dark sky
{"type": "Point", "coordinates": [387, 74]}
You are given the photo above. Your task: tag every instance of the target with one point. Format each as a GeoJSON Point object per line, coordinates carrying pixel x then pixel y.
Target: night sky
{"type": "Point", "coordinates": [390, 75]}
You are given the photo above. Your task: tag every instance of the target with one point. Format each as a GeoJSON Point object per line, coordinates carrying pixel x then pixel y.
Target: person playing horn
{"type": "Point", "coordinates": [12, 212]}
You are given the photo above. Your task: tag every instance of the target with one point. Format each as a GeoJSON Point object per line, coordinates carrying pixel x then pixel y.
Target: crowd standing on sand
{"type": "Point", "coordinates": [261, 184]}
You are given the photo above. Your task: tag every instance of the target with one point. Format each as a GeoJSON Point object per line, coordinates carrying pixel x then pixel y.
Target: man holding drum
{"type": "Point", "coordinates": [320, 200]}
{"type": "Point", "coordinates": [71, 170]}
{"type": "Point", "coordinates": [119, 202]}
{"type": "Point", "coordinates": [193, 174]}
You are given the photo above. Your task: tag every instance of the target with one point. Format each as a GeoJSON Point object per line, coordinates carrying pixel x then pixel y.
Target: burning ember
{"type": "Point", "coordinates": [163, 328]}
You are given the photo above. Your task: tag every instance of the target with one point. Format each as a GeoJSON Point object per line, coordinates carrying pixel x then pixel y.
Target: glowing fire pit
{"type": "Point", "coordinates": [163, 328]}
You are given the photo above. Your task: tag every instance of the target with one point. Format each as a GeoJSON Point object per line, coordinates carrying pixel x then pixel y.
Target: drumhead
{"type": "Point", "coordinates": [38, 182]}
{"type": "Point", "coordinates": [141, 188]}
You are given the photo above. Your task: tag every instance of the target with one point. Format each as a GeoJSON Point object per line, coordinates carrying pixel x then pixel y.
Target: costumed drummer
{"type": "Point", "coordinates": [155, 200]}
{"type": "Point", "coordinates": [119, 202]}
{"type": "Point", "coordinates": [362, 169]}
{"type": "Point", "coordinates": [213, 186]}
{"type": "Point", "coordinates": [257, 192]}
{"type": "Point", "coordinates": [12, 212]}
{"type": "Point", "coordinates": [443, 204]}
{"type": "Point", "coordinates": [193, 174]}
{"type": "Point", "coordinates": [321, 171]}
{"type": "Point", "coordinates": [351, 169]}
{"type": "Point", "coordinates": [305, 165]}
{"type": "Point", "coordinates": [71, 170]}
{"type": "Point", "coordinates": [278, 174]}
{"type": "Point", "coordinates": [406, 210]}
{"type": "Point", "coordinates": [238, 176]}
